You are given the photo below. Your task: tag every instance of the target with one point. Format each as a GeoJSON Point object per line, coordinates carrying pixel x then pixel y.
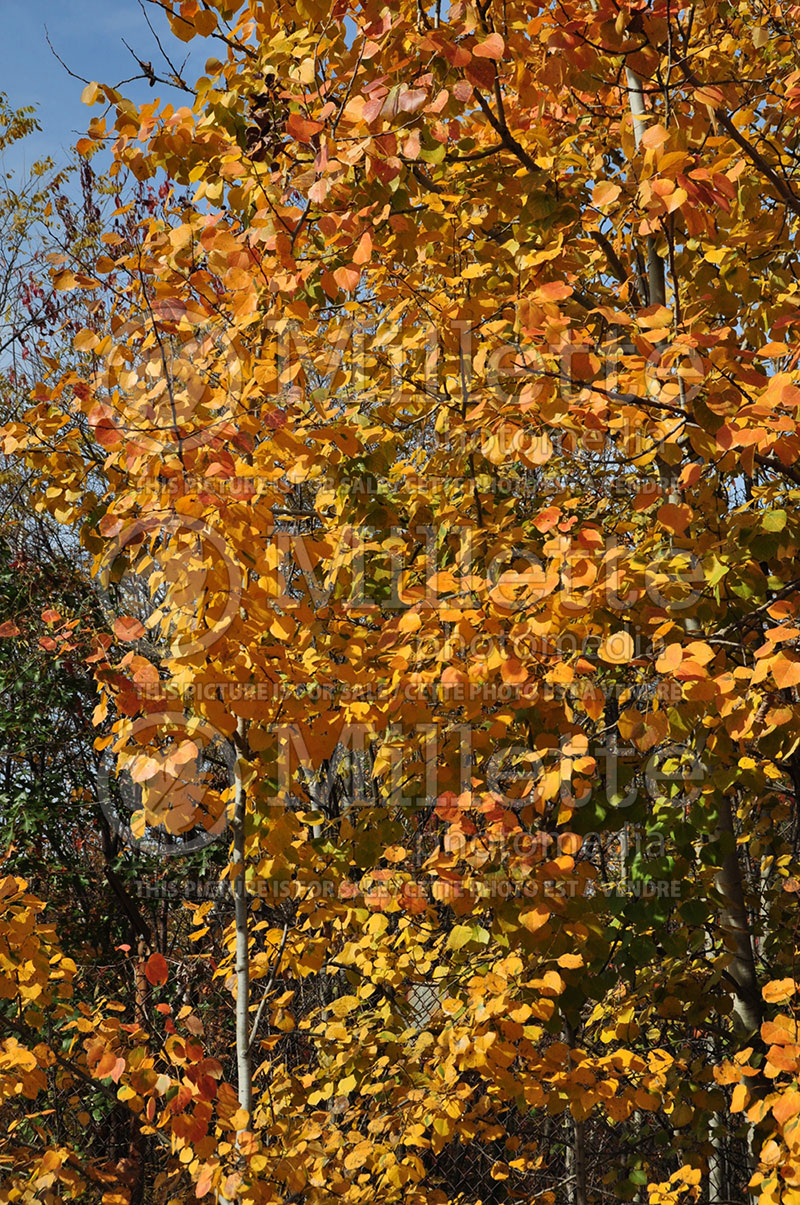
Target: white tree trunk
{"type": "Point", "coordinates": [243, 1063]}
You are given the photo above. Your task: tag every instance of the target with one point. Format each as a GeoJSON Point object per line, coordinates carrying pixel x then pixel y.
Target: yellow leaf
{"type": "Point", "coordinates": [535, 918]}
{"type": "Point", "coordinates": [358, 1156]}
{"type": "Point", "coordinates": [675, 199]}
{"type": "Point", "coordinates": [617, 648]}
{"type": "Point", "coordinates": [343, 1005]}
{"type": "Point", "coordinates": [64, 280]}
{"type": "Point", "coordinates": [85, 340]}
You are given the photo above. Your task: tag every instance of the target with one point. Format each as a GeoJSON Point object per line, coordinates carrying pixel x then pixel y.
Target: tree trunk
{"type": "Point", "coordinates": [243, 1063]}
{"type": "Point", "coordinates": [747, 1008]}
{"type": "Point", "coordinates": [716, 1165]}
{"type": "Point", "coordinates": [576, 1150]}
{"type": "Point", "coordinates": [655, 265]}
{"type": "Point", "coordinates": [736, 929]}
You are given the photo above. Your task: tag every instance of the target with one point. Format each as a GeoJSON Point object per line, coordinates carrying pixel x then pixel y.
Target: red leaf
{"type": "Point", "coordinates": [480, 73]}
{"type": "Point", "coordinates": [459, 56]}
{"type": "Point", "coordinates": [117, 1070]}
{"type": "Point", "coordinates": [156, 970]}
{"type": "Point", "coordinates": [412, 99]}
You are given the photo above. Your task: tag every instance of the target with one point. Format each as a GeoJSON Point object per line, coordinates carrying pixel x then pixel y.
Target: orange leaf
{"type": "Point", "coordinates": [670, 659]}
{"type": "Point", "coordinates": [492, 48]}
{"type": "Point", "coordinates": [675, 518]}
{"type": "Point", "coordinates": [453, 678]}
{"type": "Point", "coordinates": [780, 1032]}
{"type": "Point", "coordinates": [605, 192]}
{"type": "Point", "coordinates": [126, 628]}
{"type": "Point", "coordinates": [785, 671]}
{"type": "Point", "coordinates": [156, 970]}
{"type": "Point", "coordinates": [709, 95]}
{"type": "Point", "coordinates": [778, 990]}
{"type": "Point", "coordinates": [347, 278]}
{"type": "Point", "coordinates": [654, 137]}
{"type": "Point", "coordinates": [106, 1065]}
{"type": "Point", "coordinates": [203, 1185]}
{"type": "Point", "coordinates": [110, 1066]}
{"type": "Point", "coordinates": [363, 251]}
{"type": "Point", "coordinates": [594, 702]}
{"type": "Point", "coordinates": [676, 199]}
{"type": "Point", "coordinates": [411, 99]}
{"type": "Point", "coordinates": [787, 1107]}
{"type": "Point", "coordinates": [547, 518]}
{"type": "Point", "coordinates": [302, 129]}
{"type": "Point", "coordinates": [513, 671]}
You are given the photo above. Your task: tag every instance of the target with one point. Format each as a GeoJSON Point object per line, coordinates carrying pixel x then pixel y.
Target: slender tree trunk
{"type": "Point", "coordinates": [243, 1063]}
{"type": "Point", "coordinates": [734, 920]}
{"type": "Point", "coordinates": [576, 1150]}
{"type": "Point", "coordinates": [137, 1152]}
{"type": "Point", "coordinates": [716, 1164]}
{"type": "Point", "coordinates": [736, 928]}
{"type": "Point", "coordinates": [579, 1194]}
{"type": "Point", "coordinates": [655, 265]}
{"type": "Point", "coordinates": [747, 1007]}
{"type": "Point", "coordinates": [242, 964]}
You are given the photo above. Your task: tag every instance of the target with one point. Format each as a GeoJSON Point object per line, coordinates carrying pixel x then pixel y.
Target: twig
{"type": "Point", "coordinates": [68, 70]}
{"type": "Point", "coordinates": [268, 987]}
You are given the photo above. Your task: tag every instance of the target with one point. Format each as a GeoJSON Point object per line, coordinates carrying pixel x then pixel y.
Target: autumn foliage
{"type": "Point", "coordinates": [431, 432]}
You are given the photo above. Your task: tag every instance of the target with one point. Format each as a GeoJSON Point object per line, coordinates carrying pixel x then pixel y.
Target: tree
{"type": "Point", "coordinates": [447, 407]}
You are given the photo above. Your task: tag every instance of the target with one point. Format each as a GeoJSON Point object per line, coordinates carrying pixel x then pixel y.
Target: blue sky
{"type": "Point", "coordinates": [88, 35]}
